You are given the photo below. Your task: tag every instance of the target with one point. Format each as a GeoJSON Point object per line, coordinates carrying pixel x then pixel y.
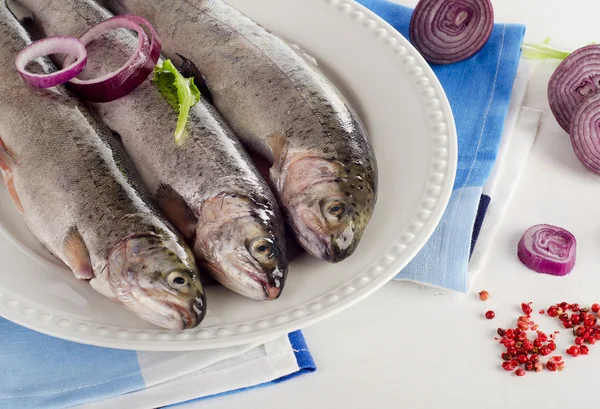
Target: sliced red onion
{"type": "Point", "coordinates": [447, 31]}
{"type": "Point", "coordinates": [575, 79]}
{"type": "Point", "coordinates": [133, 73]}
{"type": "Point", "coordinates": [548, 249]}
{"type": "Point", "coordinates": [52, 45]}
{"type": "Point", "coordinates": [585, 133]}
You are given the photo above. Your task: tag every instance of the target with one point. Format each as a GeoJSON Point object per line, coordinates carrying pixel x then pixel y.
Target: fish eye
{"type": "Point", "coordinates": [335, 208]}
{"type": "Point", "coordinates": [261, 249]}
{"type": "Point", "coordinates": [177, 279]}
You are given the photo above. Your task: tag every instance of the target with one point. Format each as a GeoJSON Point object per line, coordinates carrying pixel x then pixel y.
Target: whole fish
{"type": "Point", "coordinates": [283, 107]}
{"type": "Point", "coordinates": [80, 197]}
{"type": "Point", "coordinates": [208, 186]}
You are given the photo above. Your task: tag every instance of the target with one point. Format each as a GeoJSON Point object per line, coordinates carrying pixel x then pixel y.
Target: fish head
{"type": "Point", "coordinates": [329, 204]}
{"type": "Point", "coordinates": [156, 278]}
{"type": "Point", "coordinates": [243, 244]}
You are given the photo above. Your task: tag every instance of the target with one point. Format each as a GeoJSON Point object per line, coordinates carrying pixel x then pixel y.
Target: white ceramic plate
{"type": "Point", "coordinates": [412, 129]}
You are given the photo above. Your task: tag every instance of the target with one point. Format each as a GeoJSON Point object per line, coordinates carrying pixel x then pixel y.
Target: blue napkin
{"type": "Point", "coordinates": [39, 371]}
{"type": "Point", "coordinates": [479, 90]}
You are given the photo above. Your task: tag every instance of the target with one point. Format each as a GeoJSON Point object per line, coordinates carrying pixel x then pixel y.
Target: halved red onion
{"type": "Point", "coordinates": [52, 45]}
{"type": "Point", "coordinates": [585, 133]}
{"type": "Point", "coordinates": [447, 31]}
{"type": "Point", "coordinates": [133, 73]}
{"type": "Point", "coordinates": [548, 249]}
{"type": "Point", "coordinates": [575, 79]}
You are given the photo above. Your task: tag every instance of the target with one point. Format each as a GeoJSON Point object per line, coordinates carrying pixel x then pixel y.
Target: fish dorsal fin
{"type": "Point", "coordinates": [177, 210]}
{"type": "Point", "coordinates": [279, 149]}
{"type": "Point", "coordinates": [77, 255]}
{"type": "Point", "coordinates": [7, 163]}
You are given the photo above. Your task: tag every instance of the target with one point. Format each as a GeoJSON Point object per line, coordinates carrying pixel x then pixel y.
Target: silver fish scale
{"type": "Point", "coordinates": [68, 172]}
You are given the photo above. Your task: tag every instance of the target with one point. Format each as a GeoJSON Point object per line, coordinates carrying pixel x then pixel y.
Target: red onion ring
{"type": "Point", "coordinates": [548, 249]}
{"type": "Point", "coordinates": [133, 73]}
{"type": "Point", "coordinates": [447, 31]}
{"type": "Point", "coordinates": [585, 133]}
{"type": "Point", "coordinates": [575, 79]}
{"type": "Point", "coordinates": [52, 45]}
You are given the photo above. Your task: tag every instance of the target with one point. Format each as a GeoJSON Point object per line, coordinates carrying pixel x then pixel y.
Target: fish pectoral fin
{"type": "Point", "coordinates": [190, 70]}
{"type": "Point", "coordinates": [278, 144]}
{"type": "Point", "coordinates": [177, 211]}
{"type": "Point", "coordinates": [77, 255]}
{"type": "Point", "coordinates": [7, 163]}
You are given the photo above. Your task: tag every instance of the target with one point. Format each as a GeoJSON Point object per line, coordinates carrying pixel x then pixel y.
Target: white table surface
{"type": "Point", "coordinates": [411, 347]}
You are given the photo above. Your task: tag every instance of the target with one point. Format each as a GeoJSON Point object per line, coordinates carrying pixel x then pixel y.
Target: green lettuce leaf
{"type": "Point", "coordinates": [180, 92]}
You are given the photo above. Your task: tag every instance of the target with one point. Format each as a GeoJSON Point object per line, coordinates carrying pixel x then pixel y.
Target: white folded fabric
{"type": "Point", "coordinates": [520, 129]}
{"type": "Point", "coordinates": [174, 377]}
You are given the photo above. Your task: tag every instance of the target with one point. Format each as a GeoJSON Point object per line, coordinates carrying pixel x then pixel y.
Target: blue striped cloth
{"type": "Point", "coordinates": [479, 90]}
{"type": "Point", "coordinates": [39, 371]}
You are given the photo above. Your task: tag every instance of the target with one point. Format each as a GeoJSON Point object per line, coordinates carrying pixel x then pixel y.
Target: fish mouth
{"type": "Point", "coordinates": [272, 292]}
{"type": "Point", "coordinates": [167, 313]}
{"type": "Point", "coordinates": [188, 319]}
{"type": "Point", "coordinates": [174, 315]}
{"type": "Point", "coordinates": [329, 247]}
{"type": "Point", "coordinates": [268, 291]}
{"type": "Point", "coordinates": [319, 247]}
{"type": "Point", "coordinates": [323, 247]}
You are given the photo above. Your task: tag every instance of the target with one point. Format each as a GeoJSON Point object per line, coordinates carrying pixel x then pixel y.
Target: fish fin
{"type": "Point", "coordinates": [177, 210]}
{"type": "Point", "coordinates": [77, 254]}
{"type": "Point", "coordinates": [188, 69]}
{"type": "Point", "coordinates": [300, 51]}
{"type": "Point", "coordinates": [278, 144]}
{"type": "Point", "coordinates": [7, 162]}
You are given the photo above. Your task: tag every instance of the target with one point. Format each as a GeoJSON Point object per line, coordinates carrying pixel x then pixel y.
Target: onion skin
{"type": "Point", "coordinates": [448, 31]}
{"type": "Point", "coordinates": [585, 133]}
{"type": "Point", "coordinates": [574, 80]}
{"type": "Point", "coordinates": [548, 249]}
{"type": "Point", "coordinates": [132, 74]}
{"type": "Point", "coordinates": [107, 88]}
{"type": "Point", "coordinates": [52, 45]}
